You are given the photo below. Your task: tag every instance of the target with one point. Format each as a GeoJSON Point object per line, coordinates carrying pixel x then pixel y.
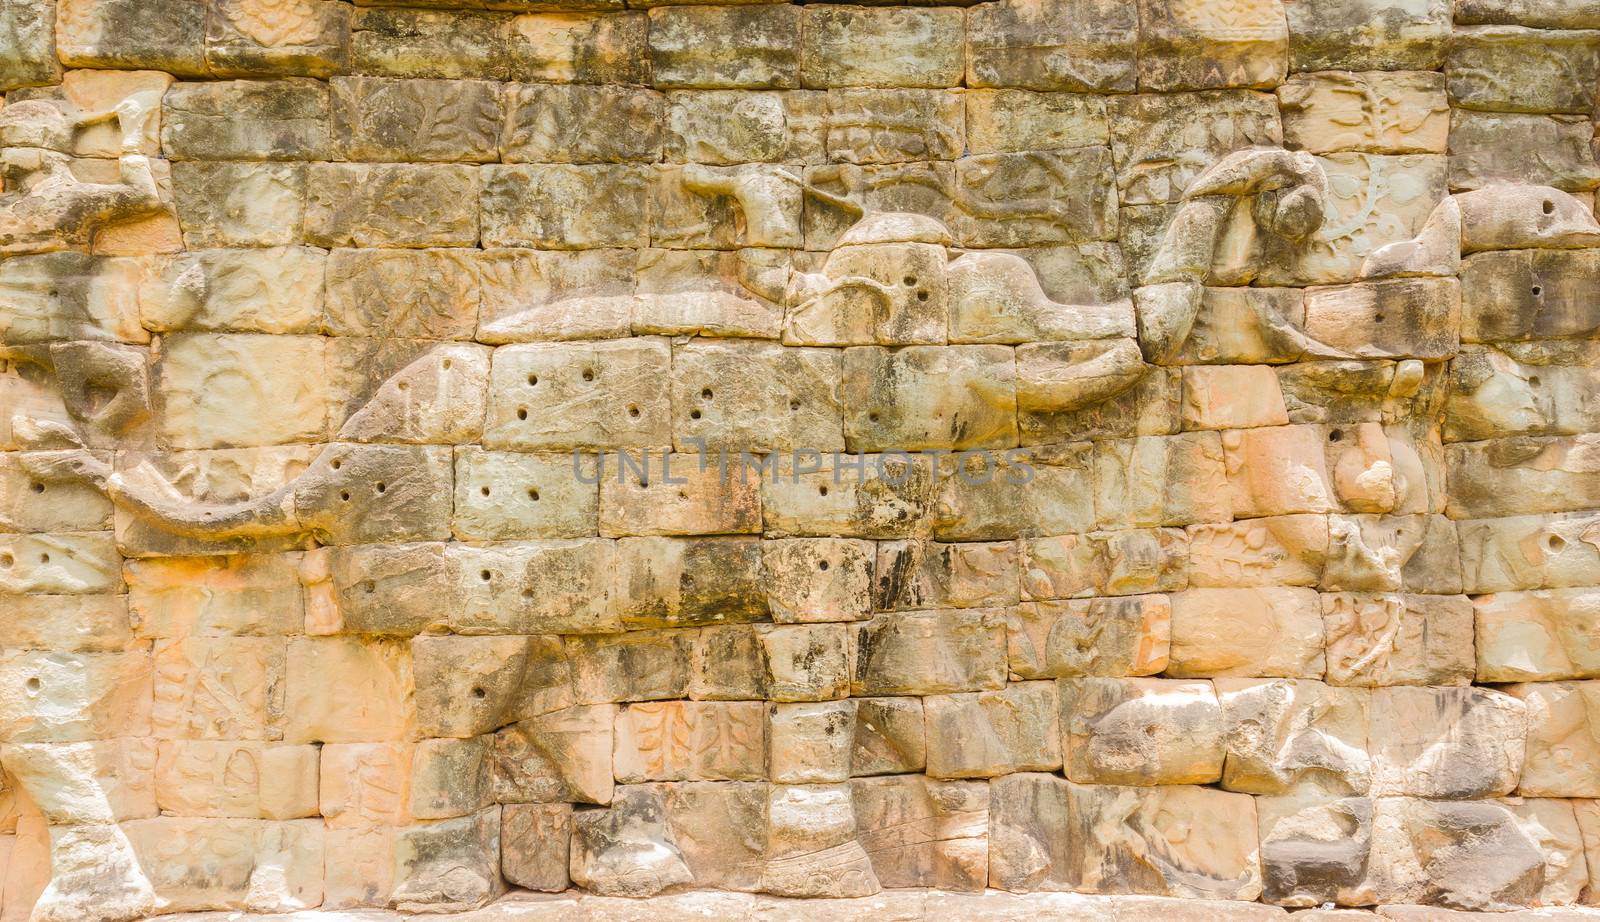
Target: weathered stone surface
{"type": "Point", "coordinates": [984, 734]}
{"type": "Point", "coordinates": [1189, 46]}
{"type": "Point", "coordinates": [564, 755]}
{"type": "Point", "coordinates": [1099, 637]}
{"type": "Point", "coordinates": [1479, 155]}
{"type": "Point", "coordinates": [428, 43]}
{"type": "Point", "coordinates": [1382, 639]}
{"type": "Point", "coordinates": [1246, 632]}
{"type": "Point", "coordinates": [1469, 855]}
{"type": "Point", "coordinates": [1369, 35]}
{"type": "Point", "coordinates": [604, 395]}
{"type": "Point", "coordinates": [1536, 636]}
{"type": "Point", "coordinates": [818, 579]}
{"type": "Point", "coordinates": [1085, 45]}
{"type": "Point", "coordinates": [919, 832]}
{"type": "Point", "coordinates": [1455, 743]}
{"type": "Point", "coordinates": [563, 206]}
{"type": "Point", "coordinates": [1141, 731]}
{"type": "Point", "coordinates": [1163, 142]}
{"type": "Point", "coordinates": [97, 33]}
{"type": "Point", "coordinates": [246, 120]}
{"type": "Point", "coordinates": [1520, 475]}
{"type": "Point", "coordinates": [391, 205]}
{"type": "Point", "coordinates": [1382, 113]}
{"type": "Point", "coordinates": [565, 123]}
{"type": "Point", "coordinates": [1122, 562]}
{"type": "Point", "coordinates": [249, 37]}
{"type": "Point", "coordinates": [677, 581]}
{"type": "Point", "coordinates": [581, 47]}
{"type": "Point", "coordinates": [240, 204]}
{"type": "Point", "coordinates": [748, 47]}
{"type": "Point", "coordinates": [1527, 294]}
{"type": "Point", "coordinates": [1488, 61]}
{"type": "Point", "coordinates": [1284, 733]}
{"type": "Point", "coordinates": [533, 844]}
{"type": "Point", "coordinates": [889, 736]}
{"type": "Point", "coordinates": [378, 118]}
{"type": "Point", "coordinates": [864, 46]}
{"type": "Point", "coordinates": [31, 33]}
{"type": "Point", "coordinates": [1210, 854]}
{"type": "Point", "coordinates": [1559, 761]}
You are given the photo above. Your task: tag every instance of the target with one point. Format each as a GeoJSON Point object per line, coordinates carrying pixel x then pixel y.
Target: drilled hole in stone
{"type": "Point", "coordinates": [588, 374]}
{"type": "Point", "coordinates": [822, 491]}
{"type": "Point", "coordinates": [910, 281]}
{"type": "Point", "coordinates": [872, 417]}
{"type": "Point", "coordinates": [402, 385]}
{"type": "Point", "coordinates": [6, 560]}
{"type": "Point", "coordinates": [533, 494]}
{"type": "Point", "coordinates": [38, 488]}
{"type": "Point", "coordinates": [478, 692]}
{"type": "Point", "coordinates": [44, 558]}
{"type": "Point", "coordinates": [694, 414]}
{"type": "Point", "coordinates": [382, 487]}
{"type": "Point", "coordinates": [484, 490]}
{"type": "Point", "coordinates": [706, 394]}
{"type": "Point", "coordinates": [34, 684]}
{"type": "Point", "coordinates": [446, 364]}
{"type": "Point", "coordinates": [1335, 436]}
{"type": "Point", "coordinates": [633, 412]}
{"type": "Point", "coordinates": [532, 380]}
{"type": "Point", "coordinates": [1538, 290]}
{"type": "Point", "coordinates": [344, 495]}
{"type": "Point", "coordinates": [1555, 544]}
{"type": "Point", "coordinates": [823, 566]}
{"type": "Point", "coordinates": [1549, 207]}
{"type": "Point", "coordinates": [522, 412]}
{"type": "Point", "coordinates": [368, 586]}
{"type": "Point", "coordinates": [485, 575]}
{"type": "Point", "coordinates": [794, 404]}
{"type": "Point", "coordinates": [1533, 381]}
{"type": "Point", "coordinates": [337, 464]}
{"type": "Point", "coordinates": [1377, 318]}
{"type": "Point", "coordinates": [922, 295]}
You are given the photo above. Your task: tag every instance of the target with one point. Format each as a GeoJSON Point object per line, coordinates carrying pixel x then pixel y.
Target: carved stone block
{"type": "Point", "coordinates": [1470, 856]}
{"type": "Point", "coordinates": [450, 44]}
{"type": "Point", "coordinates": [655, 588]}
{"type": "Point", "coordinates": [1191, 45]}
{"type": "Point", "coordinates": [533, 845]}
{"type": "Point", "coordinates": [748, 47]}
{"type": "Point", "coordinates": [691, 740]}
{"type": "Point", "coordinates": [818, 579]}
{"type": "Point", "coordinates": [169, 36]}
{"type": "Point", "coordinates": [1027, 851]}
{"type": "Point", "coordinates": [564, 206]}
{"type": "Point", "coordinates": [239, 204]}
{"type": "Point", "coordinates": [1381, 113]}
{"type": "Point", "coordinates": [1211, 853]}
{"type": "Point", "coordinates": [1521, 475]}
{"type": "Point", "coordinates": [568, 123]}
{"type": "Point", "coordinates": [1085, 45]}
{"type": "Point", "coordinates": [579, 47]}
{"type": "Point", "coordinates": [1089, 637]}
{"type": "Point", "coordinates": [472, 685]}
{"type": "Point", "coordinates": [1141, 731]}
{"type": "Point", "coordinates": [727, 127]}
{"type": "Point", "coordinates": [1368, 35]}
{"type": "Point", "coordinates": [565, 755]}
{"type": "Point", "coordinates": [391, 205]}
{"type": "Point", "coordinates": [634, 666]}
{"type": "Point", "coordinates": [378, 118]}
{"type": "Point", "coordinates": [810, 743]}
{"type": "Point", "coordinates": [534, 295]}
{"type": "Point", "coordinates": [889, 736]}
{"type": "Point", "coordinates": [919, 574]}
{"type": "Point", "coordinates": [1480, 155]}
{"type": "Point", "coordinates": [210, 596]}
{"type": "Point", "coordinates": [756, 397]}
{"type": "Point", "coordinates": [1513, 69]}
{"type": "Point", "coordinates": [1530, 552]}
{"type": "Point", "coordinates": [929, 397]}
{"type": "Point", "coordinates": [219, 688]}
{"type": "Point", "coordinates": [314, 714]}
{"type": "Point", "coordinates": [249, 37]}
{"type": "Point", "coordinates": [1163, 142]}
{"type": "Point", "coordinates": [1161, 480]}
{"type": "Point", "coordinates": [1381, 639]}
{"type": "Point", "coordinates": [924, 833]}
{"type": "Point", "coordinates": [847, 46]}
{"type": "Point", "coordinates": [448, 864]}
{"type": "Point", "coordinates": [1529, 294]}
{"type": "Point", "coordinates": [605, 395]}
{"type": "Point", "coordinates": [1285, 733]}
{"type": "Point", "coordinates": [1034, 198]}
{"type": "Point", "coordinates": [239, 779]}
{"type": "Point", "coordinates": [1120, 562]}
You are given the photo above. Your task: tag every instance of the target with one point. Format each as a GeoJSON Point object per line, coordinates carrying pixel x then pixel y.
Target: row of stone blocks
{"type": "Point", "coordinates": [1092, 45]}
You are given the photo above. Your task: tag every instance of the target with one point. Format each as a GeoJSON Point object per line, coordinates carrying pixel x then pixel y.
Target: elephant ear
{"type": "Point", "coordinates": [438, 398]}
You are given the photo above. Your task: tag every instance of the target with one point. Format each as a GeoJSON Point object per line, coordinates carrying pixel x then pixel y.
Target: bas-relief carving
{"type": "Point", "coordinates": [1342, 484]}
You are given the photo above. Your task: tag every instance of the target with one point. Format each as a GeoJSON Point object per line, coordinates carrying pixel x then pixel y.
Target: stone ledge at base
{"type": "Point", "coordinates": [890, 906]}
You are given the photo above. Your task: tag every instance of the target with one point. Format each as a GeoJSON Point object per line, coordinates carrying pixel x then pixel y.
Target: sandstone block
{"type": "Point", "coordinates": [580, 395]}
{"type": "Point", "coordinates": [812, 849]}
{"type": "Point", "coordinates": [1381, 639]}
{"type": "Point", "coordinates": [889, 736]}
{"type": "Point", "coordinates": [1309, 469]}
{"type": "Point", "coordinates": [985, 734]}
{"type": "Point", "coordinates": [683, 498]}
{"type": "Point", "coordinates": [1121, 562]}
{"type": "Point", "coordinates": [380, 118]}
{"type": "Point", "coordinates": [1479, 155]}
{"type": "Point", "coordinates": [929, 652]}
{"type": "Point", "coordinates": [1011, 120]}
{"type": "Point", "coordinates": [710, 292]}
{"type": "Point", "coordinates": [77, 623]}
{"type": "Point", "coordinates": [449, 44]}
{"type": "Point", "coordinates": [1402, 188]}
{"type": "Point", "coordinates": [1086, 45]}
{"type": "Point", "coordinates": [211, 596]}
{"type": "Point", "coordinates": [866, 496]}
{"type": "Point", "coordinates": [579, 47]}
{"type": "Point", "coordinates": [1027, 851]}
{"type": "Point", "coordinates": [532, 295]}
{"type": "Point", "coordinates": [1405, 112]}
{"type": "Point", "coordinates": [534, 842]}
{"type": "Point", "coordinates": [1537, 636]}
{"type": "Point", "coordinates": [432, 294]}
{"type": "Point", "coordinates": [1562, 14]}
{"type": "Point", "coordinates": [169, 36]}
{"type": "Point", "coordinates": [865, 46]}
{"type": "Point", "coordinates": [199, 863]}
{"type": "Point", "coordinates": [1547, 67]}
{"type": "Point", "coordinates": [682, 581]}
{"type": "Point", "coordinates": [213, 476]}
{"type": "Point", "coordinates": [91, 695]}
{"type": "Point", "coordinates": [892, 125]}
{"type": "Point", "coordinates": [1369, 35]}
{"type": "Point", "coordinates": [65, 296]}
{"type": "Point", "coordinates": [727, 127]}
{"type": "Point", "coordinates": [64, 564]}
{"type": "Point", "coordinates": [248, 37]}
{"type": "Point", "coordinates": [1232, 397]}
{"type": "Point", "coordinates": [900, 295]}
{"type": "Point", "coordinates": [1529, 552]}
{"type": "Point", "coordinates": [222, 391]}
{"type": "Point", "coordinates": [1440, 852]}
{"type": "Point", "coordinates": [1399, 318]}
{"type": "Point", "coordinates": [1419, 553]}
{"type": "Point", "coordinates": [69, 506]}
{"type": "Point", "coordinates": [1212, 853]}
{"type": "Point", "coordinates": [1246, 326]}
{"type": "Point", "coordinates": [929, 397]}
{"type": "Point", "coordinates": [408, 391]}
{"type": "Point", "coordinates": [701, 814]}
{"type": "Point", "coordinates": [564, 755]}
{"type": "Point", "coordinates": [810, 743]}
{"type": "Point", "coordinates": [268, 290]}
{"type": "Point", "coordinates": [1141, 731]}
{"type": "Point", "coordinates": [564, 206]}
{"type": "Point", "coordinates": [568, 123]}
{"type": "Point", "coordinates": [31, 33]}
{"type": "Point", "coordinates": [745, 47]}
{"type": "Point", "coordinates": [627, 850]}
{"type": "Point", "coordinates": [818, 579]}
{"type": "Point", "coordinates": [239, 204]}
{"type": "Point", "coordinates": [634, 666]}
{"type": "Point", "coordinates": [1522, 388]}
{"type": "Point", "coordinates": [756, 397]}
{"type": "Point", "coordinates": [378, 702]}
{"type": "Point", "coordinates": [1316, 848]}
{"type": "Point", "coordinates": [1036, 491]}
{"type": "Point", "coordinates": [1560, 750]}
{"type": "Point", "coordinates": [926, 188]}
{"type": "Point", "coordinates": [1089, 637]}
{"type": "Point", "coordinates": [1520, 475]}
{"type": "Point", "coordinates": [450, 777]}
{"type": "Point", "coordinates": [392, 205]}
{"type": "Point", "coordinates": [1528, 294]}
{"type": "Point", "coordinates": [1161, 480]}
{"type": "Point", "coordinates": [448, 864]}
{"type": "Point", "coordinates": [466, 686]}
{"type": "Point", "coordinates": [924, 833]}
{"type": "Point", "coordinates": [1265, 632]}
{"type": "Point", "coordinates": [691, 740]}
{"type": "Point", "coordinates": [1186, 46]}
{"type": "Point", "coordinates": [1454, 743]}
{"type": "Point", "coordinates": [1163, 142]}
{"type": "Point", "coordinates": [510, 495]}
{"type": "Point", "coordinates": [1286, 733]}
{"type": "Point", "coordinates": [84, 783]}
{"type": "Point", "coordinates": [219, 688]}
{"type": "Point", "coordinates": [246, 120]}
{"type": "Point", "coordinates": [1288, 550]}
{"type": "Point", "coordinates": [1034, 199]}
{"type": "Point", "coordinates": [921, 574]}
{"type": "Point", "coordinates": [365, 783]}
{"type": "Point", "coordinates": [728, 663]}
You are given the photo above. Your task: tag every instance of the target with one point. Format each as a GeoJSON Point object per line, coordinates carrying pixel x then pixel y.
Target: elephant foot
{"type": "Point", "coordinates": [96, 878]}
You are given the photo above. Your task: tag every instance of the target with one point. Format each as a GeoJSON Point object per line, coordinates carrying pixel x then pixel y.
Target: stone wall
{"type": "Point", "coordinates": [1131, 448]}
